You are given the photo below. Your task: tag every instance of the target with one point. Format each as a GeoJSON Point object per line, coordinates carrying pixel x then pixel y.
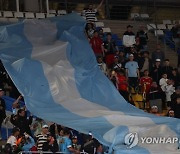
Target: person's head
{"type": "Point", "coordinates": [109, 36]}
{"type": "Point", "coordinates": [170, 113]}
{"type": "Point", "coordinates": [174, 72]}
{"type": "Point", "coordinates": [131, 57]}
{"type": "Point", "coordinates": [66, 132]}
{"type": "Point", "coordinates": [166, 62]}
{"type": "Point", "coordinates": [96, 33]}
{"type": "Point", "coordinates": [21, 113]}
{"type": "Point", "coordinates": [158, 62]}
{"type": "Point", "coordinates": [45, 129]}
{"type": "Point", "coordinates": [50, 138]}
{"type": "Point", "coordinates": [1, 92]}
{"type": "Point", "coordinates": [99, 59]}
{"type": "Point", "coordinates": [121, 54]}
{"type": "Point", "coordinates": [154, 84]}
{"type": "Point", "coordinates": [141, 28]}
{"type": "Point", "coordinates": [15, 131]}
{"type": "Point", "coordinates": [154, 109]}
{"type": "Point", "coordinates": [116, 59]}
{"type": "Point", "coordinates": [164, 75]}
{"type": "Point", "coordinates": [177, 90]}
{"type": "Point", "coordinates": [90, 7]}
{"type": "Point", "coordinates": [8, 149]}
{"type": "Point", "coordinates": [146, 54]}
{"type": "Point", "coordinates": [74, 140]}
{"type": "Point", "coordinates": [101, 31]}
{"type": "Point", "coordinates": [89, 26]}
{"type": "Point", "coordinates": [178, 100]}
{"type": "Point", "coordinates": [129, 28]}
{"type": "Point", "coordinates": [61, 132]}
{"type": "Point", "coordinates": [146, 73]}
{"type": "Point", "coordinates": [137, 40]}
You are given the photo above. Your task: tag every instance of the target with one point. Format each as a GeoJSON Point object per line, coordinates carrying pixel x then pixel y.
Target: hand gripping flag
{"type": "Point", "coordinates": [53, 66]}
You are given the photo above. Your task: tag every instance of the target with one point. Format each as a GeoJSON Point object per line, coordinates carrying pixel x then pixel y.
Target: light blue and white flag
{"type": "Point", "coordinates": [53, 66]}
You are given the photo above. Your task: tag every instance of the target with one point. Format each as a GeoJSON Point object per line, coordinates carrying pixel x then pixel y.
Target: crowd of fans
{"type": "Point", "coordinates": [148, 82]}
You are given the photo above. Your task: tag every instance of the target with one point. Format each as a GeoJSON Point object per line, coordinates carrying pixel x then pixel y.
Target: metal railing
{"type": "Point", "coordinates": [44, 152]}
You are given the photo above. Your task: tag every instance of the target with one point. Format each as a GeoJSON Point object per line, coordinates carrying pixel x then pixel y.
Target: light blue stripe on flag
{"type": "Point", "coordinates": [53, 66]}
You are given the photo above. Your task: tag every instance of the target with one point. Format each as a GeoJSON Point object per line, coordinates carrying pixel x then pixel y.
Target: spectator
{"type": "Point", "coordinates": [158, 54]}
{"type": "Point", "coordinates": [36, 126]}
{"type": "Point", "coordinates": [176, 108]}
{"type": "Point", "coordinates": [154, 110]}
{"type": "Point", "coordinates": [16, 105]}
{"type": "Point", "coordinates": [174, 96]}
{"type": "Point", "coordinates": [137, 45]}
{"type": "Point", "coordinates": [122, 84]}
{"type": "Point", "coordinates": [170, 113]}
{"type": "Point", "coordinates": [28, 142]}
{"type": "Point", "coordinates": [116, 64]}
{"type": "Point", "coordinates": [132, 72]}
{"type": "Point", "coordinates": [167, 68]}
{"type": "Point", "coordinates": [163, 84]}
{"type": "Point", "coordinates": [22, 122]}
{"type": "Point", "coordinates": [102, 35]}
{"type": "Point", "coordinates": [75, 144]}
{"type": "Point", "coordinates": [8, 149]}
{"type": "Point", "coordinates": [42, 138]}
{"type": "Point", "coordinates": [90, 13]}
{"type": "Point", "coordinates": [169, 90]}
{"type": "Point", "coordinates": [175, 77]}
{"type": "Point", "coordinates": [66, 146]}
{"type": "Point", "coordinates": [156, 71]}
{"type": "Point", "coordinates": [51, 145]}
{"type": "Point", "coordinates": [145, 63]}
{"type": "Point", "coordinates": [97, 44]}
{"type": "Point", "coordinates": [12, 140]}
{"type": "Point", "coordinates": [146, 83]}
{"type": "Point", "coordinates": [176, 35]}
{"type": "Point", "coordinates": [90, 30]}
{"type": "Point", "coordinates": [102, 65]}
{"type": "Point", "coordinates": [110, 48]}
{"type": "Point", "coordinates": [59, 138]}
{"type": "Point", "coordinates": [2, 109]}
{"type": "Point", "coordinates": [143, 37]}
{"type": "Point", "coordinates": [122, 58]}
{"type": "Point", "coordinates": [128, 38]}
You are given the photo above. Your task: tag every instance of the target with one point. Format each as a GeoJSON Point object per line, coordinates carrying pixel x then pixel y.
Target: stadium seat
{"type": "Point", "coordinates": [29, 15]}
{"type": "Point", "coordinates": [167, 22]}
{"type": "Point", "coordinates": [161, 26]}
{"type": "Point", "coordinates": [52, 11]}
{"type": "Point", "coordinates": [8, 14]}
{"type": "Point", "coordinates": [135, 15]}
{"type": "Point", "coordinates": [3, 20]}
{"type": "Point", "coordinates": [18, 14]}
{"type": "Point", "coordinates": [13, 20]}
{"type": "Point", "coordinates": [40, 15]}
{"type": "Point", "coordinates": [151, 27]}
{"type": "Point", "coordinates": [159, 33]}
{"type": "Point", "coordinates": [115, 37]}
{"type": "Point", "coordinates": [62, 12]}
{"type": "Point", "coordinates": [50, 15]}
{"type": "Point", "coordinates": [106, 30]}
{"type": "Point", "coordinates": [144, 16]}
{"type": "Point", "coordinates": [99, 24]}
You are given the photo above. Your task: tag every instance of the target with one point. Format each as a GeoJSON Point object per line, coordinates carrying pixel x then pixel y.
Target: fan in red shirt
{"type": "Point", "coordinates": [97, 44]}
{"type": "Point", "coordinates": [146, 82]}
{"type": "Point", "coordinates": [122, 84]}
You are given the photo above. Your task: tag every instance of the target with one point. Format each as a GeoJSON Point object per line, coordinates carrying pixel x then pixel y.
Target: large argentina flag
{"type": "Point", "coordinates": [53, 66]}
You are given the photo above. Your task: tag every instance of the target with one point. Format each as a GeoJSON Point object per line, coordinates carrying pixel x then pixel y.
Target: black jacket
{"type": "Point", "coordinates": [22, 123]}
